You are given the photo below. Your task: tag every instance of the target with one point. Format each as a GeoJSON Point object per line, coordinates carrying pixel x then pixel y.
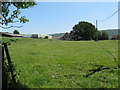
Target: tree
{"type": "Point", "coordinates": [118, 36]}
{"type": "Point", "coordinates": [102, 35]}
{"type": "Point", "coordinates": [98, 35]}
{"type": "Point", "coordinates": [16, 32]}
{"type": "Point", "coordinates": [9, 16]}
{"type": "Point", "coordinates": [83, 31]}
{"type": "Point", "coordinates": [46, 37]}
{"type": "Point", "coordinates": [105, 35]}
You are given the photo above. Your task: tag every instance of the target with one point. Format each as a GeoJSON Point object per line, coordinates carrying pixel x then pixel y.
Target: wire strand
{"type": "Point", "coordinates": [109, 16]}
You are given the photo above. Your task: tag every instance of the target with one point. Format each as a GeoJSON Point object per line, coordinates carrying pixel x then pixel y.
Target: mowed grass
{"type": "Point", "coordinates": [63, 64]}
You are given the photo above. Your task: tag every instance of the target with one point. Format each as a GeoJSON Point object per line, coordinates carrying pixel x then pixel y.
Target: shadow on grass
{"type": "Point", "coordinates": [12, 85]}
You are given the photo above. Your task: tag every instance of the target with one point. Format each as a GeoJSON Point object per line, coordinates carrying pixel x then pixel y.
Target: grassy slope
{"type": "Point", "coordinates": [62, 64]}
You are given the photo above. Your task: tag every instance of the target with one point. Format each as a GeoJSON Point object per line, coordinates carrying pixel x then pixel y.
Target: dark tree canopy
{"type": "Point", "coordinates": [104, 35]}
{"type": "Point", "coordinates": [16, 32]}
{"type": "Point", "coordinates": [8, 16]}
{"type": "Point", "coordinates": [101, 35]}
{"type": "Point", "coordinates": [83, 31]}
{"type": "Point", "coordinates": [46, 37]}
{"type": "Point", "coordinates": [118, 36]}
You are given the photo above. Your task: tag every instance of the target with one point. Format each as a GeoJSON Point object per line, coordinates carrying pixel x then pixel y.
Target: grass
{"type": "Point", "coordinates": [63, 64]}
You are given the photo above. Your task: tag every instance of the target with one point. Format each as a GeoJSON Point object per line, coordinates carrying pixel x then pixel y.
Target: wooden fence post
{"type": "Point", "coordinates": [0, 67]}
{"type": "Point", "coordinates": [3, 55]}
{"type": "Point", "coordinates": [4, 73]}
{"type": "Point", "coordinates": [9, 61]}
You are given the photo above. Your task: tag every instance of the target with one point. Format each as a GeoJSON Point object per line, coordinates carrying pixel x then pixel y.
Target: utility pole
{"type": "Point", "coordinates": [97, 31]}
{"type": "Point", "coordinates": [96, 24]}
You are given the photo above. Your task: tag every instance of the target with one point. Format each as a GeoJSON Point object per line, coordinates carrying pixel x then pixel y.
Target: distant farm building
{"type": "Point", "coordinates": [40, 36]}
{"type": "Point", "coordinates": [114, 37]}
{"type": "Point", "coordinates": [66, 36]}
{"type": "Point", "coordinates": [6, 34]}
{"type": "Point", "coordinates": [56, 37]}
{"type": "Point", "coordinates": [50, 37]}
{"type": "Point", "coordinates": [35, 36]}
{"type": "Point", "coordinates": [27, 35]}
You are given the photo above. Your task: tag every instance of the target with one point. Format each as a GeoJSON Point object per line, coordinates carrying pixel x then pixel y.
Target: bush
{"type": "Point", "coordinates": [16, 32]}
{"type": "Point", "coordinates": [46, 37]}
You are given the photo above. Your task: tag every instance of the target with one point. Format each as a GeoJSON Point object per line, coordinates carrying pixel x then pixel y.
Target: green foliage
{"type": "Point", "coordinates": [16, 32]}
{"type": "Point", "coordinates": [112, 32]}
{"type": "Point", "coordinates": [6, 74]}
{"type": "Point", "coordinates": [85, 30]}
{"type": "Point", "coordinates": [12, 16]}
{"type": "Point", "coordinates": [8, 69]}
{"type": "Point", "coordinates": [102, 35]}
{"type": "Point", "coordinates": [82, 31]}
{"type": "Point", "coordinates": [118, 36]}
{"type": "Point", "coordinates": [62, 64]}
{"type": "Point", "coordinates": [105, 35]}
{"type": "Point", "coordinates": [46, 37]}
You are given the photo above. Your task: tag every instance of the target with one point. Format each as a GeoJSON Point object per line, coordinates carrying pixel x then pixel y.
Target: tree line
{"type": "Point", "coordinates": [85, 31]}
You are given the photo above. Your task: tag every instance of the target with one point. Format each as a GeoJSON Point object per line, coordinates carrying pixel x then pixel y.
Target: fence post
{"type": "Point", "coordinates": [4, 72]}
{"type": "Point", "coordinates": [1, 67]}
{"type": "Point", "coordinates": [9, 61]}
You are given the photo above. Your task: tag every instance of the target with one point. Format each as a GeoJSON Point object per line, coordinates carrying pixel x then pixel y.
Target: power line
{"type": "Point", "coordinates": [109, 16]}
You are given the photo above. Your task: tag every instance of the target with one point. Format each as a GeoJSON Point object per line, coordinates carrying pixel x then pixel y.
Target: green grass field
{"type": "Point", "coordinates": [63, 64]}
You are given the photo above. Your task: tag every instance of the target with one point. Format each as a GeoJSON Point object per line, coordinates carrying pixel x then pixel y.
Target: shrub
{"type": "Point", "coordinates": [46, 37]}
